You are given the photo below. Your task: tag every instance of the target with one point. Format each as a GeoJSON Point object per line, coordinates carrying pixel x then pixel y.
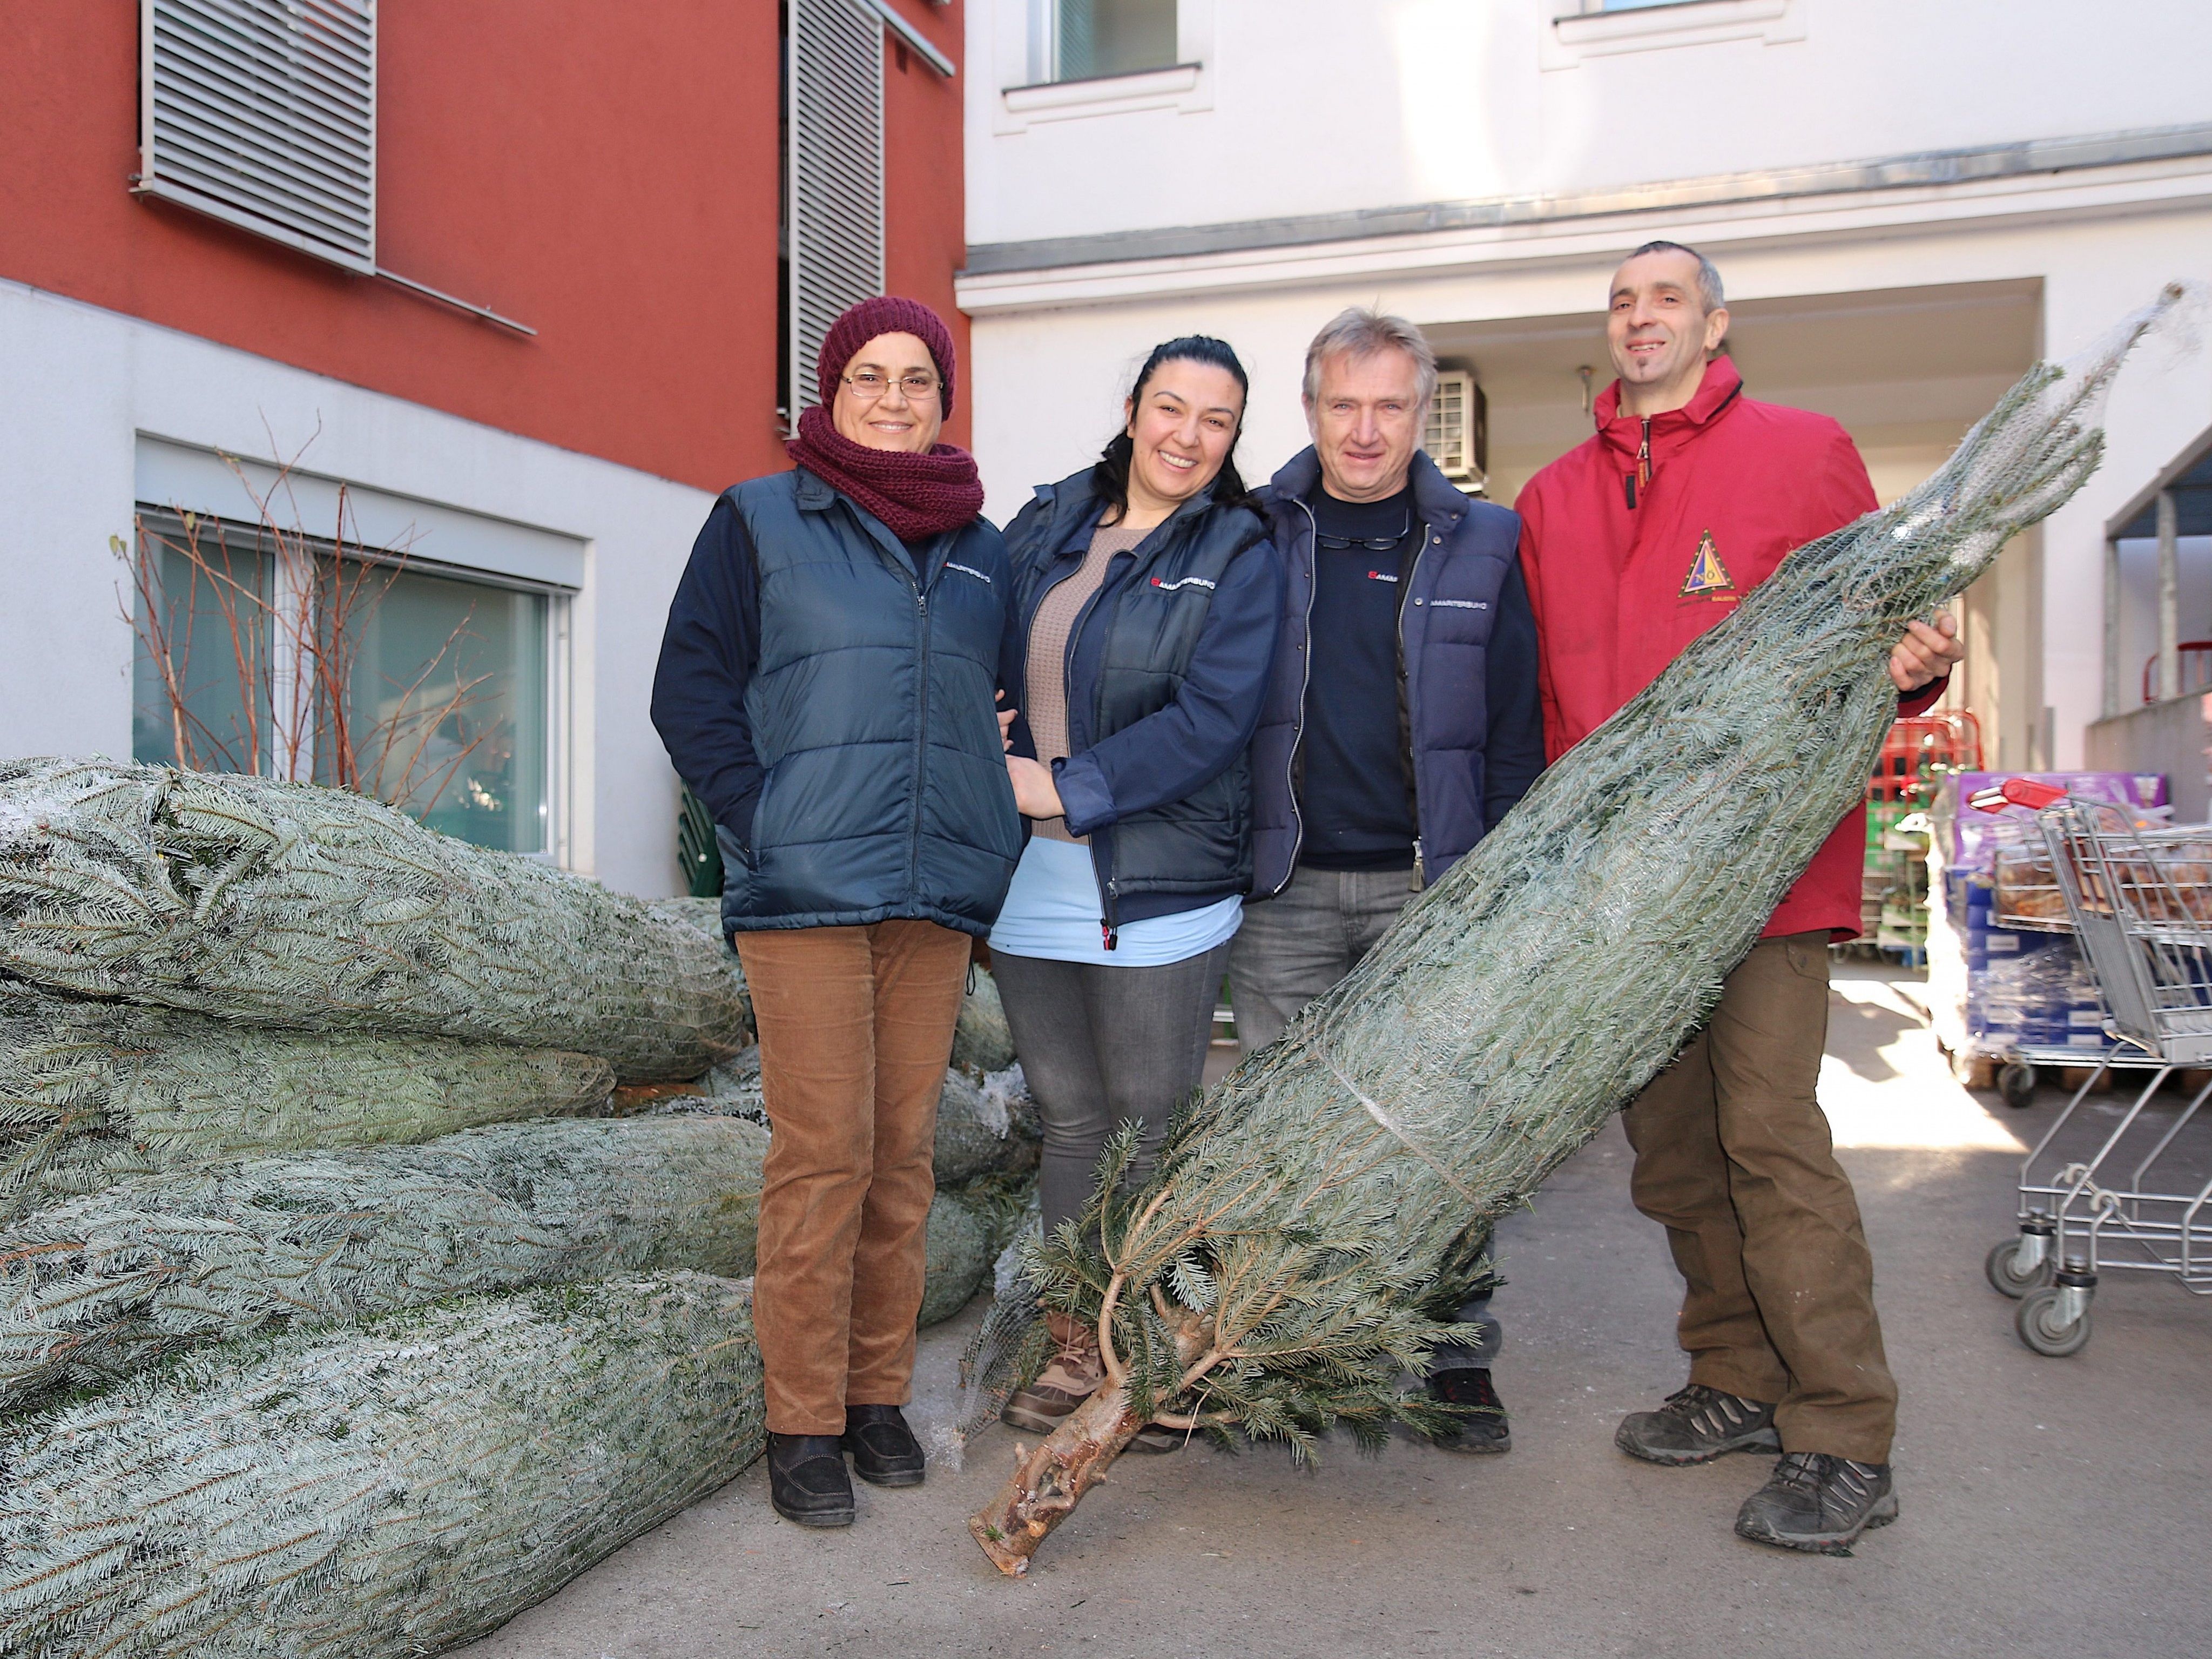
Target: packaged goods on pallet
{"type": "Point", "coordinates": [2025, 989]}
{"type": "Point", "coordinates": [2004, 976]}
{"type": "Point", "coordinates": [1920, 751]}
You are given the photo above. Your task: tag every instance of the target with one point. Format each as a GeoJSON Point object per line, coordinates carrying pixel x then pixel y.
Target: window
{"type": "Point", "coordinates": [263, 114]}
{"type": "Point", "coordinates": [1583, 29]}
{"type": "Point", "coordinates": [832, 196]}
{"type": "Point", "coordinates": [1092, 39]}
{"type": "Point", "coordinates": [270, 652]}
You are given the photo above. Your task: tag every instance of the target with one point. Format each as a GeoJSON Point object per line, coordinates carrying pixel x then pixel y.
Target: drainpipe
{"type": "Point", "coordinates": [2169, 598]}
{"type": "Point", "coordinates": [2112, 628]}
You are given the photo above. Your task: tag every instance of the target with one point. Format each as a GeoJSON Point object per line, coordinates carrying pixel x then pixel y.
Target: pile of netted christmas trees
{"type": "Point", "coordinates": [373, 1216]}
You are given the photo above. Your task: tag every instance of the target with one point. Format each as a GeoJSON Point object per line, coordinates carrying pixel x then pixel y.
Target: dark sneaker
{"type": "Point", "coordinates": [806, 1480]}
{"type": "Point", "coordinates": [1817, 1503]}
{"type": "Point", "coordinates": [884, 1451]}
{"type": "Point", "coordinates": [1696, 1426]}
{"type": "Point", "coordinates": [1158, 1438]}
{"type": "Point", "coordinates": [1483, 1430]}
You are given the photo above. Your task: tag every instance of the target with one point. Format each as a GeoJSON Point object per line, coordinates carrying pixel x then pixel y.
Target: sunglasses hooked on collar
{"type": "Point", "coordinates": [1372, 544]}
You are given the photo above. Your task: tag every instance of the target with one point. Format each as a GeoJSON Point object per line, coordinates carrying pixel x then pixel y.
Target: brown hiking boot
{"type": "Point", "coordinates": [1071, 1377]}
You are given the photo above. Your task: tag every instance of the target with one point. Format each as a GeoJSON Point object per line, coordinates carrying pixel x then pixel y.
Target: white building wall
{"type": "Point", "coordinates": [1306, 106]}
{"type": "Point", "coordinates": [1320, 108]}
{"type": "Point", "coordinates": [81, 383]}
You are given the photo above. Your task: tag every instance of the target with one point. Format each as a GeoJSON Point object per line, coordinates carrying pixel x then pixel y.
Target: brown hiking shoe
{"type": "Point", "coordinates": [1071, 1377]}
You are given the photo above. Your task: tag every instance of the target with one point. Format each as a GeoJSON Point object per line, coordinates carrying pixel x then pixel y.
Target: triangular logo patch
{"type": "Point", "coordinates": [1707, 573]}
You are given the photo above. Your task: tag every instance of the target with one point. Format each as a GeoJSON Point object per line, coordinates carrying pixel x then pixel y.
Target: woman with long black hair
{"type": "Point", "coordinates": [1147, 593]}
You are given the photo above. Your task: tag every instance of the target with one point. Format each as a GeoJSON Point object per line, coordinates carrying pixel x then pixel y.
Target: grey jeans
{"type": "Point", "coordinates": [1100, 1046]}
{"type": "Point", "coordinates": [1294, 946]}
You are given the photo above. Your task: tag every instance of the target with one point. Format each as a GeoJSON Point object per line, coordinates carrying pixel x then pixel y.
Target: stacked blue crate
{"type": "Point", "coordinates": [2025, 989]}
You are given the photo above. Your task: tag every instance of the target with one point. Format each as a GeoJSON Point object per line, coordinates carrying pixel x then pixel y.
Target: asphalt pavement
{"type": "Point", "coordinates": [2048, 1506]}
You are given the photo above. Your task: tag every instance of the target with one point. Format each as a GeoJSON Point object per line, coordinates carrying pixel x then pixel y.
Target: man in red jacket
{"type": "Point", "coordinates": [1633, 545]}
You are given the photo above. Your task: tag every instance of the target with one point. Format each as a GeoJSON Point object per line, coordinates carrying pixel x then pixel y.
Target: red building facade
{"type": "Point", "coordinates": [601, 200]}
{"type": "Point", "coordinates": [608, 174]}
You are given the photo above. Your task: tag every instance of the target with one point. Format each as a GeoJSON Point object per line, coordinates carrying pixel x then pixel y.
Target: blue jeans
{"type": "Point", "coordinates": [1294, 946]}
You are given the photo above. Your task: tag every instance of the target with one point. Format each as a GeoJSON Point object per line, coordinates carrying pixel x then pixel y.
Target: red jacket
{"type": "Point", "coordinates": [1630, 559]}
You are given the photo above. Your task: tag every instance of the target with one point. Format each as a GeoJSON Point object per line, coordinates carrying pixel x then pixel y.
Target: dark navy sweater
{"type": "Point", "coordinates": [1355, 791]}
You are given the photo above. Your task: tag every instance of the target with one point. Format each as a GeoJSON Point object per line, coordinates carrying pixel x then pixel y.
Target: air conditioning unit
{"type": "Point", "coordinates": [1458, 435]}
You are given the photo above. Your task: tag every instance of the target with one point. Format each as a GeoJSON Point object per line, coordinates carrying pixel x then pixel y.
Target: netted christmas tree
{"type": "Point", "coordinates": [92, 1290]}
{"type": "Point", "coordinates": [95, 1289]}
{"type": "Point", "coordinates": [982, 1043]}
{"type": "Point", "coordinates": [97, 1092]}
{"type": "Point", "coordinates": [1277, 1275]}
{"type": "Point", "coordinates": [399, 1490]}
{"type": "Point", "coordinates": [286, 905]}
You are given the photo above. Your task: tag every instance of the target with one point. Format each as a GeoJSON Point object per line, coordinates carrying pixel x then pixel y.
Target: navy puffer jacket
{"type": "Point", "coordinates": [832, 705]}
{"type": "Point", "coordinates": [1472, 725]}
{"type": "Point", "coordinates": [1166, 668]}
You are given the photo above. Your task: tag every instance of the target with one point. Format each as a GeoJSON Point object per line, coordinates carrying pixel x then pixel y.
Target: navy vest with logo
{"type": "Point", "coordinates": [1129, 649]}
{"type": "Point", "coordinates": [871, 707]}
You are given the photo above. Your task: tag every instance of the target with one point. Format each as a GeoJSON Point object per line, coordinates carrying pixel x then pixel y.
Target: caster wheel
{"type": "Point", "coordinates": [2003, 1266]}
{"type": "Point", "coordinates": [2017, 1083]}
{"type": "Point", "coordinates": [2043, 1327]}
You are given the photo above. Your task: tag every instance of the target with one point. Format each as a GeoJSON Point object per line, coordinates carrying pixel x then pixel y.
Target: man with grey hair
{"type": "Point", "coordinates": [1402, 721]}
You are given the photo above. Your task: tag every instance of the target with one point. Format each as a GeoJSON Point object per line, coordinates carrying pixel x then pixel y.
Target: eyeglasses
{"type": "Point", "coordinates": [868, 386]}
{"type": "Point", "coordinates": [1372, 544]}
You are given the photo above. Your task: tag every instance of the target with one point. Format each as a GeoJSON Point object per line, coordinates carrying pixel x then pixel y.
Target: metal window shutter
{"type": "Point", "coordinates": [263, 114]}
{"type": "Point", "coordinates": [835, 186]}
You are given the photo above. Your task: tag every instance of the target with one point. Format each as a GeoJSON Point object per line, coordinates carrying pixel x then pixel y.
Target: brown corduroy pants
{"type": "Point", "coordinates": [1734, 1158]}
{"type": "Point", "coordinates": [855, 1032]}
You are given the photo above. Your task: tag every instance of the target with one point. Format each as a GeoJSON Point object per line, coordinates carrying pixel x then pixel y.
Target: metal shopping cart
{"type": "Point", "coordinates": [2026, 899]}
{"type": "Point", "coordinates": [2140, 900]}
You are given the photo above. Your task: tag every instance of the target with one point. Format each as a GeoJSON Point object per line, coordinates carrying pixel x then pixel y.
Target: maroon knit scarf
{"type": "Point", "coordinates": [914, 495]}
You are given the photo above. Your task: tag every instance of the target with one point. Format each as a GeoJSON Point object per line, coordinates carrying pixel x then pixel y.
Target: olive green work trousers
{"type": "Point", "coordinates": [1734, 1158]}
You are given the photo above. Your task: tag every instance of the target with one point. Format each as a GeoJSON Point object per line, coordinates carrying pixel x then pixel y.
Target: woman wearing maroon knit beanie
{"type": "Point", "coordinates": [827, 685]}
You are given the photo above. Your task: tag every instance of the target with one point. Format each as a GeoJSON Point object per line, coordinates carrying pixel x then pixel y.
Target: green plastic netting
{"type": "Point", "coordinates": [396, 1490]}
{"type": "Point", "coordinates": [301, 907]}
{"type": "Point", "coordinates": [97, 1092]}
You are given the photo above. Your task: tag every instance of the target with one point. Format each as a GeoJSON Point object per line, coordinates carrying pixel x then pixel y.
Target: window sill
{"type": "Point", "coordinates": [1577, 35]}
{"type": "Point", "coordinates": [1180, 87]}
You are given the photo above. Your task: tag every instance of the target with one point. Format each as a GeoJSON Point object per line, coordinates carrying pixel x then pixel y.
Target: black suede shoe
{"type": "Point", "coordinates": [1483, 1431]}
{"type": "Point", "coordinates": [1818, 1503]}
{"type": "Point", "coordinates": [806, 1480]}
{"type": "Point", "coordinates": [1697, 1425]}
{"type": "Point", "coordinates": [884, 1451]}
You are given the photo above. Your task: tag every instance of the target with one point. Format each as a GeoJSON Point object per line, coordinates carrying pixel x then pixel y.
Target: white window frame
{"type": "Point", "coordinates": [1028, 95]}
{"type": "Point", "coordinates": [438, 540]}
{"type": "Point", "coordinates": [1583, 29]}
